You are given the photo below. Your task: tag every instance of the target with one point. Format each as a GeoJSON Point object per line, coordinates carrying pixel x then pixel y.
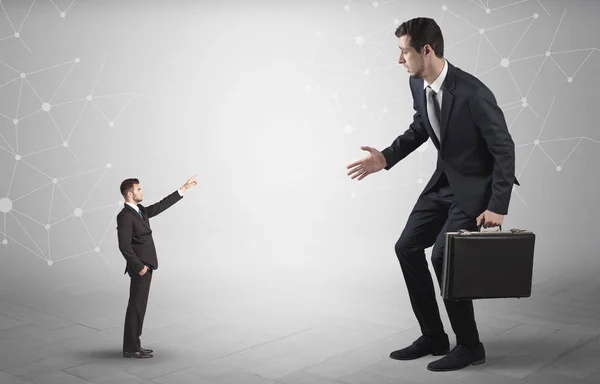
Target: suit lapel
{"type": "Point", "coordinates": [144, 213]}
{"type": "Point", "coordinates": [138, 217]}
{"type": "Point", "coordinates": [447, 99]}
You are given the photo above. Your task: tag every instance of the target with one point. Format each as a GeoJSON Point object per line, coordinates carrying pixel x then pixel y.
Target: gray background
{"type": "Point", "coordinates": [268, 101]}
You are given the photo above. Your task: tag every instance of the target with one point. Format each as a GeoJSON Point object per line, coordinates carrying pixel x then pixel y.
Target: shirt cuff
{"type": "Point", "coordinates": [180, 193]}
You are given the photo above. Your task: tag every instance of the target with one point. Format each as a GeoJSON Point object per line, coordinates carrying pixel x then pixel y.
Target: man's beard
{"type": "Point", "coordinates": [419, 74]}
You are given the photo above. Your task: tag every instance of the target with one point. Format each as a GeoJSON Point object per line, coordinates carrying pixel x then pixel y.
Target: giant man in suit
{"type": "Point", "coordinates": [471, 185]}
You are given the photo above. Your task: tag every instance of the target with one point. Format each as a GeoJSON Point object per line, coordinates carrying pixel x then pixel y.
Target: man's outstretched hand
{"type": "Point", "coordinates": [189, 184]}
{"type": "Point", "coordinates": [373, 162]}
{"type": "Point", "coordinates": [490, 219]}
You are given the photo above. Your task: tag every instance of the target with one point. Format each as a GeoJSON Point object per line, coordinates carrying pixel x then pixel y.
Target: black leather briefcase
{"type": "Point", "coordinates": [487, 265]}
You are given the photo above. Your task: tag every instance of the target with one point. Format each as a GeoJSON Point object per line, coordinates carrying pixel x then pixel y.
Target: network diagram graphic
{"type": "Point", "coordinates": [18, 27]}
{"type": "Point", "coordinates": [357, 75]}
{"type": "Point", "coordinates": [19, 113]}
{"type": "Point", "coordinates": [353, 77]}
{"type": "Point", "coordinates": [9, 203]}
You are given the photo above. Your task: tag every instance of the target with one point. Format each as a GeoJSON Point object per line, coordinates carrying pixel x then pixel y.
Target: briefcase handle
{"type": "Point", "coordinates": [513, 230]}
{"type": "Point", "coordinates": [481, 226]}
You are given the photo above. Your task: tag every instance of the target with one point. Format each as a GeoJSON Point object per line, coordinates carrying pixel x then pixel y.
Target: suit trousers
{"type": "Point", "coordinates": [139, 289]}
{"type": "Point", "coordinates": [434, 214]}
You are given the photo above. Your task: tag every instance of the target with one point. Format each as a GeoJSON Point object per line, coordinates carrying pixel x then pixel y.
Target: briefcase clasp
{"type": "Point", "coordinates": [515, 230]}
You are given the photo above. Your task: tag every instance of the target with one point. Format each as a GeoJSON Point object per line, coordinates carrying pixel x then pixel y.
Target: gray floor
{"type": "Point", "coordinates": [60, 331]}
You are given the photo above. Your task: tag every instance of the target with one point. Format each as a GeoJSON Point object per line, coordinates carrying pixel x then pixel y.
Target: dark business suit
{"type": "Point", "coordinates": [137, 246]}
{"type": "Point", "coordinates": [475, 171]}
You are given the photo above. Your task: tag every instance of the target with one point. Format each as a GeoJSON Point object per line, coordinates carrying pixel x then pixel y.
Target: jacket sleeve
{"type": "Point", "coordinates": [406, 143]}
{"type": "Point", "coordinates": [124, 235]}
{"type": "Point", "coordinates": [488, 117]}
{"type": "Point", "coordinates": [156, 208]}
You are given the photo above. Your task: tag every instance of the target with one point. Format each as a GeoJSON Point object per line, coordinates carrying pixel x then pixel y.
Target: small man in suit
{"type": "Point", "coordinates": [137, 246]}
{"type": "Point", "coordinates": [472, 184]}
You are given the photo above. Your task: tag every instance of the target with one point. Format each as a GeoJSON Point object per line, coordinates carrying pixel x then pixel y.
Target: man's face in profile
{"type": "Point", "coordinates": [136, 194]}
{"type": "Point", "coordinates": [413, 62]}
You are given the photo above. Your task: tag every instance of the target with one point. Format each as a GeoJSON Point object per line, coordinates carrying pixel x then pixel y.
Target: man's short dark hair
{"type": "Point", "coordinates": [422, 31]}
{"type": "Point", "coordinates": [127, 186]}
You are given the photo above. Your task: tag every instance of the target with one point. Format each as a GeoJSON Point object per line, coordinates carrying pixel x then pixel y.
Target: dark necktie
{"type": "Point", "coordinates": [434, 112]}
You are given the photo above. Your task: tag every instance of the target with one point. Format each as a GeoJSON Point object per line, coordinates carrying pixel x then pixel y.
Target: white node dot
{"type": "Point", "coordinates": [353, 195]}
{"type": "Point", "coordinates": [548, 53]}
{"type": "Point", "coordinates": [77, 60]}
{"type": "Point", "coordinates": [385, 110]}
{"type": "Point", "coordinates": [559, 168]}
{"type": "Point", "coordinates": [46, 107]}
{"type": "Point", "coordinates": [50, 262]}
{"type": "Point", "coordinates": [348, 129]}
{"type": "Point", "coordinates": [482, 31]}
{"type": "Point", "coordinates": [423, 147]}
{"type": "Point", "coordinates": [5, 205]}
{"type": "Point", "coordinates": [488, 11]}
{"type": "Point", "coordinates": [111, 124]}
{"type": "Point", "coordinates": [17, 34]}
{"type": "Point", "coordinates": [535, 15]}
{"type": "Point", "coordinates": [97, 249]}
{"type": "Point", "coordinates": [570, 79]}
{"type": "Point", "coordinates": [78, 212]}
{"type": "Point", "coordinates": [18, 157]}
{"type": "Point", "coordinates": [444, 7]}
{"type": "Point", "coordinates": [375, 4]}
{"type": "Point", "coordinates": [334, 97]}
{"type": "Point", "coordinates": [65, 144]}
{"type": "Point", "coordinates": [364, 106]}
{"type": "Point", "coordinates": [346, 8]}
{"type": "Point", "coordinates": [360, 40]}
{"type": "Point", "coordinates": [505, 63]}
{"type": "Point", "coordinates": [4, 241]}
{"type": "Point", "coordinates": [524, 99]}
{"type": "Point", "coordinates": [317, 33]}
{"type": "Point", "coordinates": [536, 142]}
{"type": "Point", "coordinates": [15, 121]}
{"type": "Point", "coordinates": [367, 72]}
{"type": "Point", "coordinates": [23, 75]}
{"type": "Point", "coordinates": [47, 226]}
{"type": "Point", "coordinates": [307, 87]}
{"type": "Point", "coordinates": [54, 181]}
{"type": "Point", "coordinates": [89, 98]}
{"type": "Point", "coordinates": [396, 21]}
{"type": "Point", "coordinates": [420, 181]}
{"type": "Point", "coordinates": [109, 165]}
{"type": "Point", "coordinates": [63, 15]}
{"type": "Point", "coordinates": [524, 104]}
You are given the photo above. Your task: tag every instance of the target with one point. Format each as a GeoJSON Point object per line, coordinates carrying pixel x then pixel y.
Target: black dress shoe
{"type": "Point", "coordinates": [460, 357]}
{"type": "Point", "coordinates": [137, 355]}
{"type": "Point", "coordinates": [146, 350]}
{"type": "Point", "coordinates": [423, 346]}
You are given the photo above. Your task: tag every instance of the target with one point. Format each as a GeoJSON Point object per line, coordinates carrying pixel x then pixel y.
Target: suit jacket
{"type": "Point", "coordinates": [135, 236]}
{"type": "Point", "coordinates": [475, 150]}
